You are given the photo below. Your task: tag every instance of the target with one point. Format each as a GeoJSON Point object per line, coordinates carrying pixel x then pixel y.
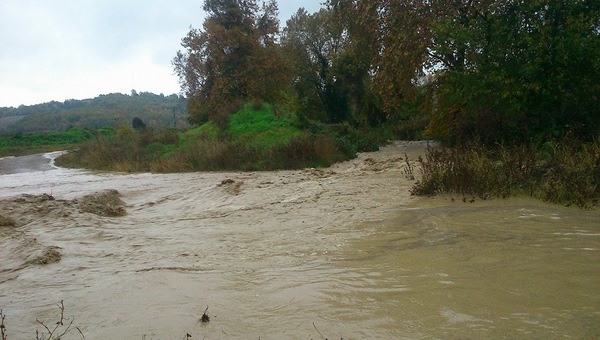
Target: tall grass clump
{"type": "Point", "coordinates": [301, 151]}
{"type": "Point", "coordinates": [127, 151]}
{"type": "Point", "coordinates": [565, 172]}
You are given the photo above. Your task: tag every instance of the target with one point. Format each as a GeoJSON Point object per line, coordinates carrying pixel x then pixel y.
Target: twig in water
{"type": "Point", "coordinates": [315, 326]}
{"type": "Point", "coordinates": [205, 317]}
{"type": "Point", "coordinates": [2, 327]}
{"type": "Point", "coordinates": [59, 323]}
{"type": "Point", "coordinates": [408, 169]}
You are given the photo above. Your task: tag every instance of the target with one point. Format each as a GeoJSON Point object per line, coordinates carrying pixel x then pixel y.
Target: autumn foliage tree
{"type": "Point", "coordinates": [312, 43]}
{"type": "Point", "coordinates": [391, 37]}
{"type": "Point", "coordinates": [233, 59]}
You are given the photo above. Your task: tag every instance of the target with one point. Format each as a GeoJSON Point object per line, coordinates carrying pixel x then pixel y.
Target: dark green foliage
{"type": "Point", "coordinates": [333, 82]}
{"type": "Point", "coordinates": [564, 172]}
{"type": "Point", "coordinates": [138, 124]}
{"type": "Point", "coordinates": [516, 71]}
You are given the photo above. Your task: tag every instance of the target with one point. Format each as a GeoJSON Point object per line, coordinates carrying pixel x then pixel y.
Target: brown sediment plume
{"type": "Point", "coordinates": [103, 203]}
{"type": "Point", "coordinates": [21, 216]}
{"type": "Point", "coordinates": [6, 221]}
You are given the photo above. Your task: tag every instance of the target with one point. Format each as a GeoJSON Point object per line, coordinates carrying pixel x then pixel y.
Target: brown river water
{"type": "Point", "coordinates": [343, 252]}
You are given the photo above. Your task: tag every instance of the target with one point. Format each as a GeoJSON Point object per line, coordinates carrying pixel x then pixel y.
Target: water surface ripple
{"type": "Point", "coordinates": [346, 248]}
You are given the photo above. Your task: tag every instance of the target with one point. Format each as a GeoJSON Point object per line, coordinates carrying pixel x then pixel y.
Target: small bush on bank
{"type": "Point", "coordinates": [566, 172]}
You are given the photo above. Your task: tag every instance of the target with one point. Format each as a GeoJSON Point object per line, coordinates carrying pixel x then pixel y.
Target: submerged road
{"type": "Point", "coordinates": [31, 163]}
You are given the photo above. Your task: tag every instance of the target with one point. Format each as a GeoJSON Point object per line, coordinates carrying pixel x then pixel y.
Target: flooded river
{"type": "Point", "coordinates": [343, 252]}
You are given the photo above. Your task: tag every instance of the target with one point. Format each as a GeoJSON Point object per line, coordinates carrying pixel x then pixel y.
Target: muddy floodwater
{"type": "Point", "coordinates": [343, 252]}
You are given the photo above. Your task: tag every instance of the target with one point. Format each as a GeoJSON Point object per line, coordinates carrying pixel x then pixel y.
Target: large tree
{"type": "Point", "coordinates": [389, 48]}
{"type": "Point", "coordinates": [332, 67]}
{"type": "Point", "coordinates": [516, 70]}
{"type": "Point", "coordinates": [235, 58]}
{"type": "Point", "coordinates": [494, 70]}
{"type": "Point", "coordinates": [312, 43]}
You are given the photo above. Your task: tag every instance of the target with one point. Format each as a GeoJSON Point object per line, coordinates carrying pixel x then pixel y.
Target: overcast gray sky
{"type": "Point", "coordinates": [76, 49]}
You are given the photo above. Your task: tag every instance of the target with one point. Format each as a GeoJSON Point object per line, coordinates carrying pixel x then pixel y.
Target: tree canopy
{"type": "Point", "coordinates": [492, 70]}
{"type": "Point", "coordinates": [233, 59]}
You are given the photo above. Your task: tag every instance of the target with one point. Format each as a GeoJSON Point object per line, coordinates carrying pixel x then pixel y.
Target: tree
{"type": "Point", "coordinates": [233, 59]}
{"type": "Point", "coordinates": [312, 44]}
{"type": "Point", "coordinates": [494, 70]}
{"type": "Point", "coordinates": [332, 68]}
{"type": "Point", "coordinates": [138, 124]}
{"type": "Point", "coordinates": [516, 70]}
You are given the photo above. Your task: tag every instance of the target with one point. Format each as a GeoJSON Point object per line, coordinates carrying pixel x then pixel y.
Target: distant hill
{"type": "Point", "coordinates": [158, 111]}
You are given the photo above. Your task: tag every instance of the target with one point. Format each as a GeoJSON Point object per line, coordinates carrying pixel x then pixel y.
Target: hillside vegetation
{"type": "Point", "coordinates": [109, 110]}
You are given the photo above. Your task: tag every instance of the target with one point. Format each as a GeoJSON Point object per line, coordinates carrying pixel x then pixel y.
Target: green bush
{"type": "Point", "coordinates": [261, 127]}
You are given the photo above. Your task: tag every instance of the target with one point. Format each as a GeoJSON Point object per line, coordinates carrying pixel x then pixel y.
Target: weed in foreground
{"type": "Point", "coordinates": [408, 168]}
{"type": "Point", "coordinates": [50, 332]}
{"type": "Point", "coordinates": [59, 330]}
{"type": "Point", "coordinates": [2, 327]}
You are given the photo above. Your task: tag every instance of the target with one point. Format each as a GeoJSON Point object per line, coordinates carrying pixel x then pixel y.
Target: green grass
{"type": "Point", "coordinates": [208, 131]}
{"type": "Point", "coordinates": [27, 143]}
{"type": "Point", "coordinates": [259, 125]}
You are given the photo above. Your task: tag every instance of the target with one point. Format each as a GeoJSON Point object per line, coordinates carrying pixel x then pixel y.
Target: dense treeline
{"type": "Point", "coordinates": [513, 85]}
{"type": "Point", "coordinates": [109, 110]}
{"type": "Point", "coordinates": [508, 71]}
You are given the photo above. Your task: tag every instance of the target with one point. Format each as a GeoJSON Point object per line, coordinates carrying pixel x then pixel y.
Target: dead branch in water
{"type": "Point", "coordinates": [52, 334]}
{"type": "Point", "coordinates": [2, 327]}
{"type": "Point", "coordinates": [322, 336]}
{"type": "Point", "coordinates": [205, 317]}
{"type": "Point", "coordinates": [316, 329]}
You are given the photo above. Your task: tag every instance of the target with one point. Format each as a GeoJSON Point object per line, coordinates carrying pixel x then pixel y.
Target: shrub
{"type": "Point", "coordinates": [566, 172]}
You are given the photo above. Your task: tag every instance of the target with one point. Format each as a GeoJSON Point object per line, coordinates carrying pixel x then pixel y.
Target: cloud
{"type": "Point", "coordinates": [75, 49]}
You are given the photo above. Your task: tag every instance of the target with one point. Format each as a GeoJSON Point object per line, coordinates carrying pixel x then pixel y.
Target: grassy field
{"type": "Point", "coordinates": [27, 143]}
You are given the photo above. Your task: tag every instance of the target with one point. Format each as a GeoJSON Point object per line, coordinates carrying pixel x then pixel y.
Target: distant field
{"type": "Point", "coordinates": [5, 122]}
{"type": "Point", "coordinates": [29, 143]}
